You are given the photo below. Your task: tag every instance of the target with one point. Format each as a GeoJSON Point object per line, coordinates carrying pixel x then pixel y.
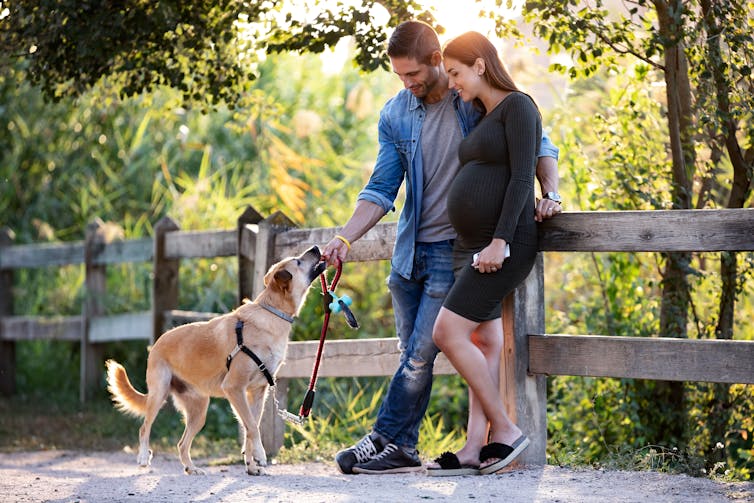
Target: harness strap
{"type": "Point", "coordinates": [240, 347]}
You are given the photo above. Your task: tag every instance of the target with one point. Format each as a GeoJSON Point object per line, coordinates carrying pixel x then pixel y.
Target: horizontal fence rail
{"type": "Point", "coordinates": [258, 242]}
{"type": "Point", "coordinates": [650, 231]}
{"type": "Point", "coordinates": [665, 359]}
{"type": "Point", "coordinates": [629, 231]}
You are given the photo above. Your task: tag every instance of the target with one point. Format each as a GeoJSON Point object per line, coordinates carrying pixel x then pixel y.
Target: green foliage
{"type": "Point", "coordinates": [132, 162]}
{"type": "Point", "coordinates": [191, 46]}
{"type": "Point", "coordinates": [208, 51]}
{"type": "Point", "coordinates": [333, 23]}
{"type": "Point", "coordinates": [612, 132]}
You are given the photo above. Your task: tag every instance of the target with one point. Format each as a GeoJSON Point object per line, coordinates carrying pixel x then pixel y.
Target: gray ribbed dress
{"type": "Point", "coordinates": [493, 196]}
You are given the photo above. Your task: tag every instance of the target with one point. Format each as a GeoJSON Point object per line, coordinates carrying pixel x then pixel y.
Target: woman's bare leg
{"type": "Point", "coordinates": [488, 337]}
{"type": "Point", "coordinates": [453, 335]}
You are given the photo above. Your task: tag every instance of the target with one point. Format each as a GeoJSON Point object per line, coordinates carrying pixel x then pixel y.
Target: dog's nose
{"type": "Point", "coordinates": [314, 250]}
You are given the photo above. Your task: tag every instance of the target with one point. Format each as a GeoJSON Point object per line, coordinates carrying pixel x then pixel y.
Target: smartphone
{"type": "Point", "coordinates": [507, 253]}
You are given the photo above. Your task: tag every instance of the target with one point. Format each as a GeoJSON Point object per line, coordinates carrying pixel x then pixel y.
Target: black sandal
{"type": "Point", "coordinates": [503, 453]}
{"type": "Point", "coordinates": [451, 466]}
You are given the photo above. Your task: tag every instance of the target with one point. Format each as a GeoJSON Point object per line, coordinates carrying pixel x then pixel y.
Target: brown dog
{"type": "Point", "coordinates": [201, 360]}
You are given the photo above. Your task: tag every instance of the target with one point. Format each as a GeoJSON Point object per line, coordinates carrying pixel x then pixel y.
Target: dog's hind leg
{"type": "Point", "coordinates": [236, 394]}
{"type": "Point", "coordinates": [158, 384]}
{"type": "Point", "coordinates": [193, 406]}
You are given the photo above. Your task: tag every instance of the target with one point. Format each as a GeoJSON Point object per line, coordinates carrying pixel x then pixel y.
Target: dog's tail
{"type": "Point", "coordinates": [126, 398]}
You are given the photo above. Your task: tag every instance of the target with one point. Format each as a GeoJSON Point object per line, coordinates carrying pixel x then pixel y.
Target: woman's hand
{"type": "Point", "coordinates": [491, 258]}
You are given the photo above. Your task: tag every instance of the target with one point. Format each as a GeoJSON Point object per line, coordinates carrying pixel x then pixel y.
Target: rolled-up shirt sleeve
{"type": "Point", "coordinates": [547, 148]}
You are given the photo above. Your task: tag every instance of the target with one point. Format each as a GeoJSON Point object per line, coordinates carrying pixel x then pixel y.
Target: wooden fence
{"type": "Point", "coordinates": [529, 355]}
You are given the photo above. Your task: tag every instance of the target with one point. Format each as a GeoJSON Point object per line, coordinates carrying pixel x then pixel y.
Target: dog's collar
{"type": "Point", "coordinates": [278, 312]}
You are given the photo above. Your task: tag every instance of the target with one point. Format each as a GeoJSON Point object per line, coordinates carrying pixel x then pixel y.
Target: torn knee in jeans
{"type": "Point", "coordinates": [414, 369]}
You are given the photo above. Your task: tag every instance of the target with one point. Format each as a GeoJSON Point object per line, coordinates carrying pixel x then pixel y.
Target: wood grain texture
{"type": "Point", "coordinates": [200, 244]}
{"type": "Point", "coordinates": [165, 276]}
{"type": "Point", "coordinates": [638, 231]}
{"type": "Point", "coordinates": [377, 244]}
{"type": "Point", "coordinates": [35, 328]}
{"type": "Point", "coordinates": [664, 359]}
{"type": "Point", "coordinates": [352, 357]}
{"type": "Point", "coordinates": [121, 327]}
{"type": "Point", "coordinates": [663, 231]}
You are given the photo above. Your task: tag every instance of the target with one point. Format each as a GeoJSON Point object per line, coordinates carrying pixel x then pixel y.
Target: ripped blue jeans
{"type": "Point", "coordinates": [416, 302]}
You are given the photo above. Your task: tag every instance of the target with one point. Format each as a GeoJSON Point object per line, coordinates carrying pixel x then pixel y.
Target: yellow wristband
{"type": "Point", "coordinates": [348, 243]}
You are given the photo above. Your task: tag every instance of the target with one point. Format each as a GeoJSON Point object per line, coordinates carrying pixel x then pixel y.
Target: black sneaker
{"type": "Point", "coordinates": [392, 459]}
{"type": "Point", "coordinates": [367, 448]}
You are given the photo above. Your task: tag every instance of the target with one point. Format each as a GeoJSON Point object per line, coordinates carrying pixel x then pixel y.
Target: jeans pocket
{"type": "Point", "coordinates": [440, 276]}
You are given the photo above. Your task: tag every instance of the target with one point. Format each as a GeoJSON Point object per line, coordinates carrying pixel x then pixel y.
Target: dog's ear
{"type": "Point", "coordinates": [272, 274]}
{"type": "Point", "coordinates": [283, 278]}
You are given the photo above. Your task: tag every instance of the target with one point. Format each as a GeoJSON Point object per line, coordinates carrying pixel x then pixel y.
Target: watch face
{"type": "Point", "coordinates": [553, 196]}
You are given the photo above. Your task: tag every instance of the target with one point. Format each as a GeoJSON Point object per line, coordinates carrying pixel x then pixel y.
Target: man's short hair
{"type": "Point", "coordinates": [413, 39]}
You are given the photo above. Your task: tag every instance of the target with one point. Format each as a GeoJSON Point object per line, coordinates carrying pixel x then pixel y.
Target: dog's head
{"type": "Point", "coordinates": [291, 277]}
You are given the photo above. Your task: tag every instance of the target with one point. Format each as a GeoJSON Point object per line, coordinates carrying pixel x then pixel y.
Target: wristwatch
{"type": "Point", "coordinates": [553, 196]}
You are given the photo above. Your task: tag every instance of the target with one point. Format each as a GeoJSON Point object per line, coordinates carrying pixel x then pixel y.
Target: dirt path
{"type": "Point", "coordinates": [65, 476]}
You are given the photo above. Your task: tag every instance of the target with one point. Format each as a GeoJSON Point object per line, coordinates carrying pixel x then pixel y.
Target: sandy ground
{"type": "Point", "coordinates": [65, 476]}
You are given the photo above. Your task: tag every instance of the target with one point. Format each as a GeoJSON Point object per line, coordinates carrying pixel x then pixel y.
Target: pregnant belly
{"type": "Point", "coordinates": [475, 200]}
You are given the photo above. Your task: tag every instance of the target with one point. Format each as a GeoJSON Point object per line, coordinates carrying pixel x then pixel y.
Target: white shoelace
{"type": "Point", "coordinates": [365, 449]}
{"type": "Point", "coordinates": [388, 450]}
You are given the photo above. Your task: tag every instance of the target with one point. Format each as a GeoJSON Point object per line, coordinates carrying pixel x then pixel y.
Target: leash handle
{"type": "Point", "coordinates": [327, 290]}
{"type": "Point", "coordinates": [306, 406]}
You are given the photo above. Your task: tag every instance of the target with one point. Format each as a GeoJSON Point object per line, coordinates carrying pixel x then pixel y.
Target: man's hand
{"type": "Point", "coordinates": [547, 174]}
{"type": "Point", "coordinates": [335, 249]}
{"type": "Point", "coordinates": [546, 208]}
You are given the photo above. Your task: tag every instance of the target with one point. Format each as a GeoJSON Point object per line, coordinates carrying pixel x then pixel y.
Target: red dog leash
{"type": "Point", "coordinates": [332, 303]}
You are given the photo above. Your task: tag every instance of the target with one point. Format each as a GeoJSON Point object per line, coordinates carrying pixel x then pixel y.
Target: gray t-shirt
{"type": "Point", "coordinates": [440, 137]}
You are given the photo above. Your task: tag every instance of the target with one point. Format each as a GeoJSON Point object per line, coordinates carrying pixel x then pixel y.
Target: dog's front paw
{"type": "Point", "coordinates": [259, 455]}
{"type": "Point", "coordinates": [254, 469]}
{"type": "Point", "coordinates": [144, 458]}
{"type": "Point", "coordinates": [192, 470]}
{"type": "Point", "coordinates": [254, 466]}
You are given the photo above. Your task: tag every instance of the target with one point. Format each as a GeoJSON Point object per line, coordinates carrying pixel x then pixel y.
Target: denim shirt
{"type": "Point", "coordinates": [400, 157]}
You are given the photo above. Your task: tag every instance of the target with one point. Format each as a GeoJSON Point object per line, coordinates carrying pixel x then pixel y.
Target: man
{"type": "Point", "coordinates": [420, 129]}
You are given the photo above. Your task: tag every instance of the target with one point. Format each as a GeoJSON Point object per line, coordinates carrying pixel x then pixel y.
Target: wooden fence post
{"type": "Point", "coordinates": [95, 287]}
{"type": "Point", "coordinates": [165, 278]}
{"type": "Point", "coordinates": [264, 253]}
{"type": "Point", "coordinates": [272, 427]}
{"type": "Point", "coordinates": [525, 395]}
{"type": "Point", "coordinates": [246, 253]}
{"type": "Point", "coordinates": [7, 348]}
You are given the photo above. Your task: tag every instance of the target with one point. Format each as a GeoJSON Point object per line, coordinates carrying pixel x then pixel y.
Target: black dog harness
{"type": "Point", "coordinates": [240, 347]}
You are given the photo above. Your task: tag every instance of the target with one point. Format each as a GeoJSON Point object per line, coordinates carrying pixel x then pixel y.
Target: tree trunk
{"type": "Point", "coordinates": [719, 407]}
{"type": "Point", "coordinates": [667, 418]}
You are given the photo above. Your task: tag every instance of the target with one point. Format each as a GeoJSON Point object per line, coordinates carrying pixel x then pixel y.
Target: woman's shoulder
{"type": "Point", "coordinates": [519, 98]}
{"type": "Point", "coordinates": [515, 103]}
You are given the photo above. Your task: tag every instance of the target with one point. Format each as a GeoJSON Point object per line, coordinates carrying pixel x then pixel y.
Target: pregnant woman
{"type": "Point", "coordinates": [491, 206]}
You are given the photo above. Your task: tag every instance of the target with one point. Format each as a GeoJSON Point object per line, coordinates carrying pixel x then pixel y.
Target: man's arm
{"type": "Point", "coordinates": [364, 217]}
{"type": "Point", "coordinates": [547, 174]}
